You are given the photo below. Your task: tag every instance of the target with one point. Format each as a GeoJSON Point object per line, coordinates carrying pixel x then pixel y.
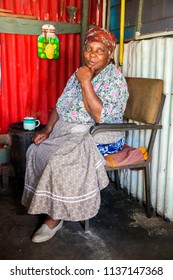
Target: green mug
{"type": "Point", "coordinates": [30, 123]}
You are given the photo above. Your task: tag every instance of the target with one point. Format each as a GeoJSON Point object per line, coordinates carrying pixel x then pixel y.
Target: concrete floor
{"type": "Point", "coordinates": [120, 231]}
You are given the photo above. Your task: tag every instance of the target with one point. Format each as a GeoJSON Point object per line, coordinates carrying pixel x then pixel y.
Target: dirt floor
{"type": "Point", "coordinates": [120, 231]}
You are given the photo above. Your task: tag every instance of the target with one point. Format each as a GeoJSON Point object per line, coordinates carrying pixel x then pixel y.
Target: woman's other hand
{"type": "Point", "coordinates": [40, 136]}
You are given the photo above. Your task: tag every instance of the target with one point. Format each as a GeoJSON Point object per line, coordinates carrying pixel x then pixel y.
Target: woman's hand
{"type": "Point", "coordinates": [40, 136]}
{"type": "Point", "coordinates": [43, 134]}
{"type": "Point", "coordinates": [84, 73]}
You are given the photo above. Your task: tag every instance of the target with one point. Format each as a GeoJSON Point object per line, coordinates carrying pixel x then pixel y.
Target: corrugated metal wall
{"type": "Point", "coordinates": [30, 86]}
{"type": "Point", "coordinates": [153, 59]}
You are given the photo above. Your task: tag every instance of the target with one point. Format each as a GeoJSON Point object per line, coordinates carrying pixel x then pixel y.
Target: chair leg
{"type": "Point", "coordinates": [147, 191]}
{"type": "Point", "coordinates": [117, 180]}
{"type": "Point", "coordinates": [86, 225]}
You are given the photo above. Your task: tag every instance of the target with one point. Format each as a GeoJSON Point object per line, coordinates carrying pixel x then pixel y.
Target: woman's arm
{"type": "Point", "coordinates": [44, 133]}
{"type": "Point", "coordinates": [92, 102]}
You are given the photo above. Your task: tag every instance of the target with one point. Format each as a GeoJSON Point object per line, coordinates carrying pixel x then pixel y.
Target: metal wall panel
{"type": "Point", "coordinates": [31, 86]}
{"type": "Point", "coordinates": [156, 16]}
{"type": "Point", "coordinates": [131, 11]}
{"type": "Point", "coordinates": [153, 59]}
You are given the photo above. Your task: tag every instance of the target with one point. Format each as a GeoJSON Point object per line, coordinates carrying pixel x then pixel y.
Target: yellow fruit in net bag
{"type": "Point", "coordinates": [49, 51]}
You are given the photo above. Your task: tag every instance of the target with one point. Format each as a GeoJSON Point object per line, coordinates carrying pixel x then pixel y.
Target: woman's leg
{"type": "Point", "coordinates": [51, 223]}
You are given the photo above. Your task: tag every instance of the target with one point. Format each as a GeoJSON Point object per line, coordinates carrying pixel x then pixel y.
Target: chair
{"type": "Point", "coordinates": [144, 108]}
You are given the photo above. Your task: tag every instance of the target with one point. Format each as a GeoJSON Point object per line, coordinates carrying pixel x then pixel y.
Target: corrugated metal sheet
{"type": "Point", "coordinates": [30, 86]}
{"type": "Point", "coordinates": [153, 59]}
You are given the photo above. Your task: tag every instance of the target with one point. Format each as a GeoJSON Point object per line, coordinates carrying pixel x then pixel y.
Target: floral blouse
{"type": "Point", "coordinates": [109, 85]}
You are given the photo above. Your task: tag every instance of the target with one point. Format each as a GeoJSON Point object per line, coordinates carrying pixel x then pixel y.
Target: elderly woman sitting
{"type": "Point", "coordinates": [65, 165]}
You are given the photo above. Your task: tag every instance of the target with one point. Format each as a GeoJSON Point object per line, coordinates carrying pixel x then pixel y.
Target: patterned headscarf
{"type": "Point", "coordinates": [101, 35]}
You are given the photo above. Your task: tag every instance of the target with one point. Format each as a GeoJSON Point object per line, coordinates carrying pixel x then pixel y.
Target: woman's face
{"type": "Point", "coordinates": [96, 55]}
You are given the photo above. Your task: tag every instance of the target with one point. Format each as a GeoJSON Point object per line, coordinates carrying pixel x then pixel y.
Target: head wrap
{"type": "Point", "coordinates": [101, 35]}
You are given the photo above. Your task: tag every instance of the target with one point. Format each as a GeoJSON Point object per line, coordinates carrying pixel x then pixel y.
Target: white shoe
{"type": "Point", "coordinates": [45, 233]}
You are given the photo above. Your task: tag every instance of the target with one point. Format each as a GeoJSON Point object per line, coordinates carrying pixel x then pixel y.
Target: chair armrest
{"type": "Point", "coordinates": [122, 127]}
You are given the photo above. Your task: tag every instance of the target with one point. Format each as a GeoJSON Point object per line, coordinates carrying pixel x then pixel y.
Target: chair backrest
{"type": "Point", "coordinates": [145, 96]}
